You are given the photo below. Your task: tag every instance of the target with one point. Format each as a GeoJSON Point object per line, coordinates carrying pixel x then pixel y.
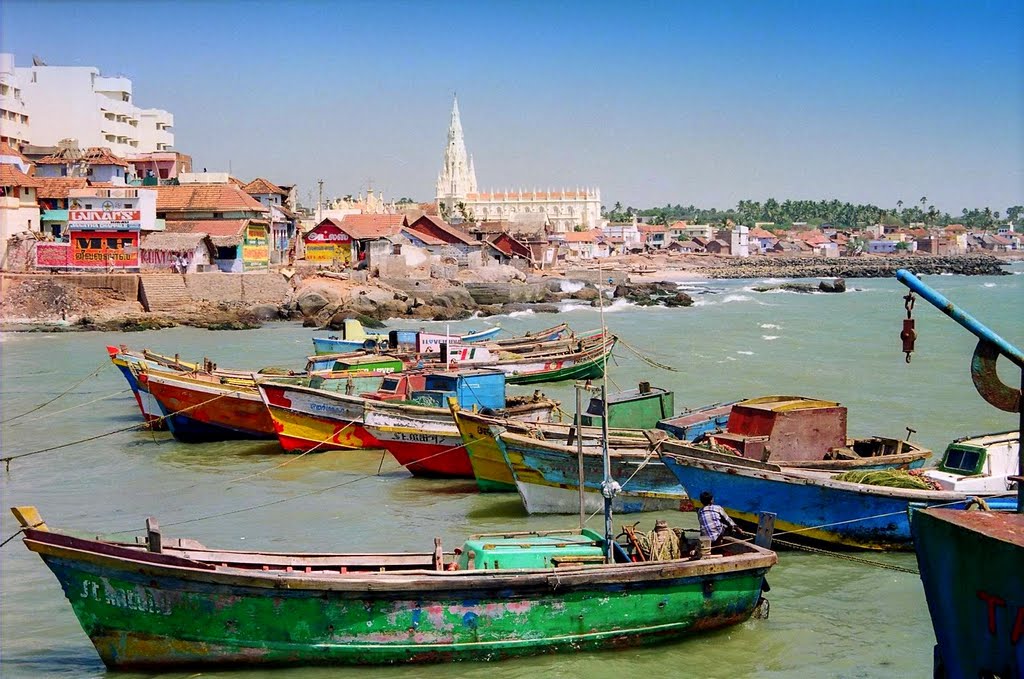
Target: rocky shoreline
{"type": "Point", "coordinates": [325, 300]}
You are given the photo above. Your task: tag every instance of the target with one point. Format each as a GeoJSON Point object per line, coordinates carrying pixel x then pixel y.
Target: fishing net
{"type": "Point", "coordinates": [892, 478]}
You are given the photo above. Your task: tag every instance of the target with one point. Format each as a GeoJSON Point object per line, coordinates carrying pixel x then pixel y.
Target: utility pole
{"type": "Point", "coordinates": [320, 201]}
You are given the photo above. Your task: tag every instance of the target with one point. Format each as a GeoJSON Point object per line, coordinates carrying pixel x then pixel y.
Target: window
{"type": "Point", "coordinates": [127, 206]}
{"type": "Point", "coordinates": [88, 206]}
{"type": "Point", "coordinates": [962, 460]}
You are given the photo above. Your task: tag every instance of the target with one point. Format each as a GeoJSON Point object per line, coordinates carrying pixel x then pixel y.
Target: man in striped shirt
{"type": "Point", "coordinates": [714, 522]}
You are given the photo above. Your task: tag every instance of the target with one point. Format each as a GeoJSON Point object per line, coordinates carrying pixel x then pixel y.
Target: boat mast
{"type": "Point", "coordinates": [608, 486]}
{"type": "Point", "coordinates": [983, 369]}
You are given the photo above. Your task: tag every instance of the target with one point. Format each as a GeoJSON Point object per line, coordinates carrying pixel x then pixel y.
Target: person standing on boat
{"type": "Point", "coordinates": [714, 522]}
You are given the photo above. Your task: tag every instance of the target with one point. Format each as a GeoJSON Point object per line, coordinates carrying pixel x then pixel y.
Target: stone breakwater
{"type": "Point", "coordinates": [325, 300]}
{"type": "Point", "coordinates": [867, 266]}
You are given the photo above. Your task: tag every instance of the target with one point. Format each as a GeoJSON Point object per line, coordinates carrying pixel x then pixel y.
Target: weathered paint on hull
{"type": "Point", "coordinates": [304, 422]}
{"type": "Point", "coordinates": [590, 369]}
{"type": "Point", "coordinates": [818, 514]}
{"type": "Point", "coordinates": [972, 568]}
{"type": "Point", "coordinates": [548, 481]}
{"type": "Point", "coordinates": [140, 621]}
{"type": "Point", "coordinates": [198, 414]}
{"type": "Point", "coordinates": [427, 441]}
{"type": "Point", "coordinates": [485, 457]}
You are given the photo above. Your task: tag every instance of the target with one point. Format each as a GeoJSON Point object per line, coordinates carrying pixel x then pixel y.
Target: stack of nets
{"type": "Point", "coordinates": [892, 478]}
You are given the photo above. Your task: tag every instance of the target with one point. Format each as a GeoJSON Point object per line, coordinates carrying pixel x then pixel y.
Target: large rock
{"type": "Point", "coordinates": [838, 285]}
{"type": "Point", "coordinates": [266, 312]}
{"type": "Point", "coordinates": [311, 302]}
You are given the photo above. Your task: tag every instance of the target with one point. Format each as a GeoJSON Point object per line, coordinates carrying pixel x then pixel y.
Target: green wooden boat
{"type": "Point", "coordinates": [163, 603]}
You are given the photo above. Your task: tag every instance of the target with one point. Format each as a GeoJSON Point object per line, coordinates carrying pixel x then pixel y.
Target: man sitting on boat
{"type": "Point", "coordinates": [714, 522]}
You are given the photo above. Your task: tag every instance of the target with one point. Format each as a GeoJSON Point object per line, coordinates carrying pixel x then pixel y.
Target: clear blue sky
{"type": "Point", "coordinates": [681, 102]}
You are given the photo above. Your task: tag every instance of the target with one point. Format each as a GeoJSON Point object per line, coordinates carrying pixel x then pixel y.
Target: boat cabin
{"type": "Point", "coordinates": [475, 389]}
{"type": "Point", "coordinates": [640, 408]}
{"type": "Point", "coordinates": [979, 463]}
{"type": "Point", "coordinates": [398, 387]}
{"type": "Point", "coordinates": [784, 428]}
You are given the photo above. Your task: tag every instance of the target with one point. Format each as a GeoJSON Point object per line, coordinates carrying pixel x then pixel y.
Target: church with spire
{"type": "Point", "coordinates": [458, 198]}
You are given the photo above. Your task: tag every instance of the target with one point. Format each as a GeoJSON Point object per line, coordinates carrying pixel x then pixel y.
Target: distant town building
{"type": "Point", "coordinates": [14, 116]}
{"type": "Point", "coordinates": [77, 102]}
{"type": "Point", "coordinates": [19, 209]}
{"type": "Point", "coordinates": [459, 199]}
{"type": "Point", "coordinates": [739, 245]}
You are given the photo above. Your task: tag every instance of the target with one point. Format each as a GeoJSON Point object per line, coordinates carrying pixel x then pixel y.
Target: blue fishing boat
{"type": "Point", "coordinates": [810, 505]}
{"type": "Point", "coordinates": [695, 422]}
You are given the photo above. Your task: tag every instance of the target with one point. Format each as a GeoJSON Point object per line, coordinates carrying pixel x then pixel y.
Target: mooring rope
{"type": "Point", "coordinates": [141, 425]}
{"type": "Point", "coordinates": [646, 359]}
{"type": "Point", "coordinates": [119, 392]}
{"type": "Point", "coordinates": [63, 393]}
{"type": "Point", "coordinates": [848, 557]}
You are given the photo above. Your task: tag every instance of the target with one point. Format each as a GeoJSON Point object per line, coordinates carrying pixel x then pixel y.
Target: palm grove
{"type": "Point", "coordinates": [815, 213]}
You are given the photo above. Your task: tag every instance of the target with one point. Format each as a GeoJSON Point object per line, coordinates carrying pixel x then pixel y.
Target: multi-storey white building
{"type": "Point", "coordinates": [14, 117]}
{"type": "Point", "coordinates": [76, 102]}
{"type": "Point", "coordinates": [458, 197]}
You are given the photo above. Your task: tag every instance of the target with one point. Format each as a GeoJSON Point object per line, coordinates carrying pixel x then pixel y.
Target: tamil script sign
{"type": "Point", "coordinates": [328, 244]}
{"type": "Point", "coordinates": [105, 219]}
{"type": "Point", "coordinates": [53, 255]}
{"type": "Point", "coordinates": [105, 249]}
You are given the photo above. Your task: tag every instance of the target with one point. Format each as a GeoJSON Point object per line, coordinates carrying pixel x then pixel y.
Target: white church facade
{"type": "Point", "coordinates": [458, 197]}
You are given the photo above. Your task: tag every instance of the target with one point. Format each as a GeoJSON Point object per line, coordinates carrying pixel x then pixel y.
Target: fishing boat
{"type": "Point", "coordinates": [811, 505]}
{"type": "Point", "coordinates": [354, 337]}
{"type": "Point", "coordinates": [547, 476]}
{"type": "Point", "coordinates": [200, 407]}
{"type": "Point", "coordinates": [587, 361]}
{"type": "Point", "coordinates": [162, 603]}
{"type": "Point", "coordinates": [985, 463]}
{"type": "Point", "coordinates": [404, 416]}
{"type": "Point", "coordinates": [491, 471]}
{"type": "Point", "coordinates": [797, 431]}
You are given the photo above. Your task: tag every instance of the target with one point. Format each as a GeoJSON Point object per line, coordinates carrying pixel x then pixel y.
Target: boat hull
{"type": "Point", "coordinates": [147, 404]}
{"type": "Point", "coordinates": [976, 604]}
{"type": "Point", "coordinates": [197, 413]}
{"type": "Point", "coordinates": [305, 420]}
{"type": "Point", "coordinates": [547, 479]}
{"type": "Point", "coordinates": [143, 616]}
{"type": "Point", "coordinates": [849, 515]}
{"type": "Point", "coordinates": [427, 441]}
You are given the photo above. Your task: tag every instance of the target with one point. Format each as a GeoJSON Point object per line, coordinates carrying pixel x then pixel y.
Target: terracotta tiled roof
{"type": "Point", "coordinates": [369, 227]}
{"type": "Point", "coordinates": [58, 187]}
{"type": "Point", "coordinates": [205, 198]}
{"type": "Point", "coordinates": [95, 155]}
{"type": "Point", "coordinates": [11, 175]}
{"type": "Point", "coordinates": [426, 238]}
{"type": "Point", "coordinates": [650, 228]}
{"type": "Point", "coordinates": [581, 236]}
{"type": "Point", "coordinates": [261, 187]}
{"type": "Point", "coordinates": [223, 232]}
{"type": "Point", "coordinates": [8, 150]}
{"type": "Point", "coordinates": [454, 232]}
{"type": "Point", "coordinates": [758, 232]}
{"type": "Point", "coordinates": [956, 228]}
{"type": "Point", "coordinates": [681, 224]}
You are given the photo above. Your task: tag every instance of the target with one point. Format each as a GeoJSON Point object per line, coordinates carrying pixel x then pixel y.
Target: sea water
{"type": "Point", "coordinates": [829, 616]}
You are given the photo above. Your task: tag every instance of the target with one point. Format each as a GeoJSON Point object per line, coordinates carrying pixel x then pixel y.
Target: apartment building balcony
{"type": "Point", "coordinates": [113, 87]}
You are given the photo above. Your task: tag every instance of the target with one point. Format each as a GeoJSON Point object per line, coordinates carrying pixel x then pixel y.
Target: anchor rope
{"type": "Point", "coordinates": [42, 405]}
{"type": "Point", "coordinates": [848, 557]}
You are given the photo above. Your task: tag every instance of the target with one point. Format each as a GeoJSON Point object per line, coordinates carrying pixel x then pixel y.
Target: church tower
{"type": "Point", "coordinates": [457, 177]}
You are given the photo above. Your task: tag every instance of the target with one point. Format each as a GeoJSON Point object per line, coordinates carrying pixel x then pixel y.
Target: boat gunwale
{"type": "Point", "coordinates": [820, 479]}
{"type": "Point", "coordinates": [49, 544]}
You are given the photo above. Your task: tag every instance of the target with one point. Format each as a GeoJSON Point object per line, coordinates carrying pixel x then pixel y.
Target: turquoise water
{"type": "Point", "coordinates": [829, 617]}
